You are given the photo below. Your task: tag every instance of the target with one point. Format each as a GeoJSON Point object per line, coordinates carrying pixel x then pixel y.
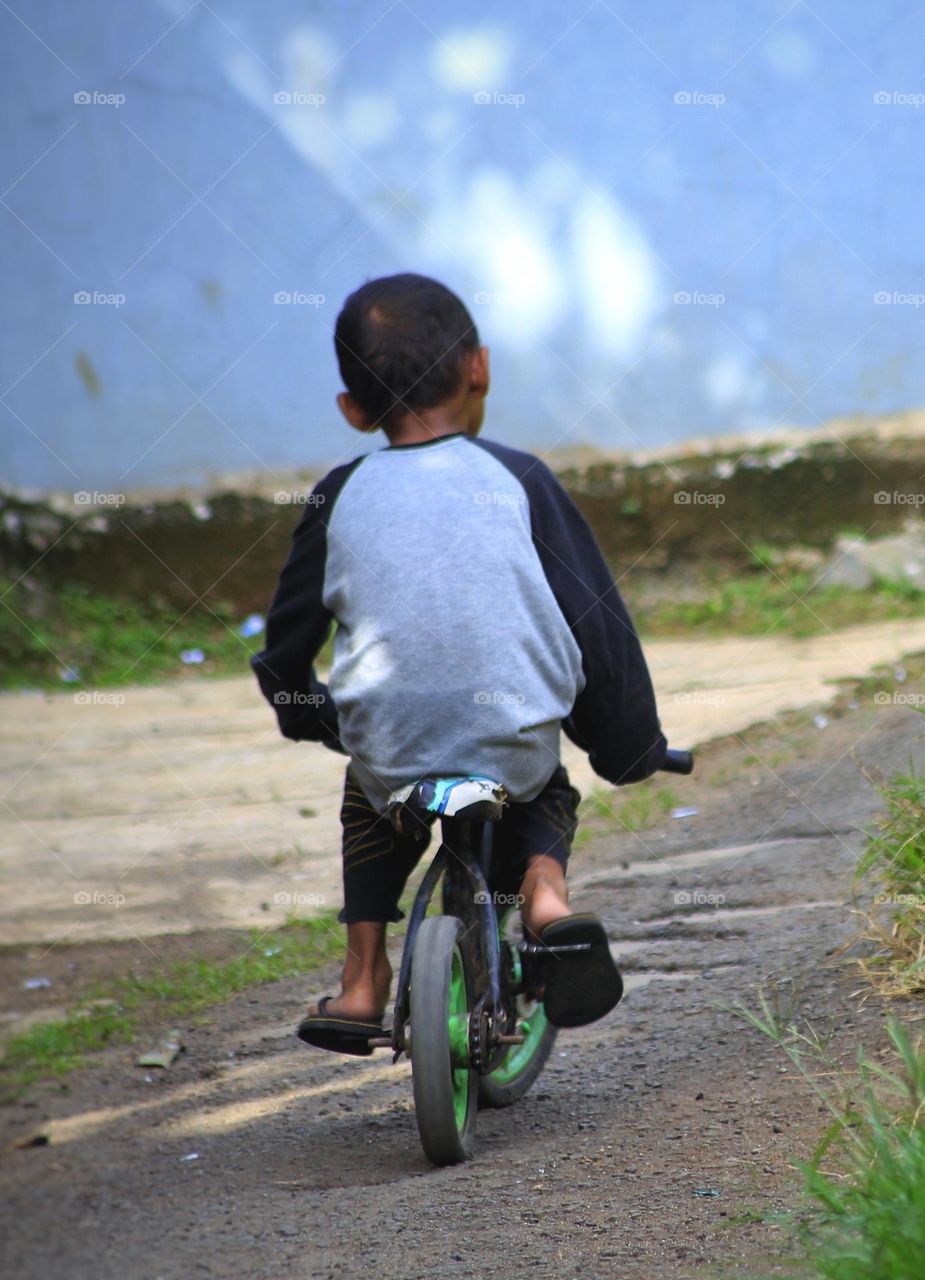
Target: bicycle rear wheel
{"type": "Point", "coordinates": [445, 1086]}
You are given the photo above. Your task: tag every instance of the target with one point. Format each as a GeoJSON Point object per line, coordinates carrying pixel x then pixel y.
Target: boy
{"type": "Point", "coordinates": [475, 617]}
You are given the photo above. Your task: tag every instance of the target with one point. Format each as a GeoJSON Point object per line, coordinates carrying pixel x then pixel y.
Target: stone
{"type": "Point", "coordinates": [857, 563]}
{"type": "Point", "coordinates": [846, 568]}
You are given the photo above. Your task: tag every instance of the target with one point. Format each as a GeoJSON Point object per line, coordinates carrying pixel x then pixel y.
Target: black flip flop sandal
{"type": "Point", "coordinates": [582, 983]}
{"type": "Point", "coordinates": [337, 1032]}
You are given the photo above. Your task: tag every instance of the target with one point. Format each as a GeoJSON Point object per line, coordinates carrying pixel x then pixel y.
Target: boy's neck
{"type": "Point", "coordinates": [427, 426]}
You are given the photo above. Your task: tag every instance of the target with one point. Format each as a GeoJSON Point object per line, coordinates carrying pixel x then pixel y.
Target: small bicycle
{"type": "Point", "coordinates": [467, 1013]}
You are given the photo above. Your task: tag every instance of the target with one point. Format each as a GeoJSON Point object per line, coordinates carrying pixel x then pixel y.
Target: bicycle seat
{"type": "Point", "coordinates": [467, 797]}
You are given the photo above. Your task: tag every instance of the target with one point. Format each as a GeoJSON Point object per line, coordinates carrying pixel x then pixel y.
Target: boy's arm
{"type": "Point", "coordinates": [297, 626]}
{"type": "Point", "coordinates": [614, 717]}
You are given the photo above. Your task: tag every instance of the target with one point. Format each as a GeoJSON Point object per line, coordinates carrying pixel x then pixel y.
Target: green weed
{"type": "Point", "coordinates": [111, 1012]}
{"type": "Point", "coordinates": [865, 1182]}
{"type": "Point", "coordinates": [893, 864]}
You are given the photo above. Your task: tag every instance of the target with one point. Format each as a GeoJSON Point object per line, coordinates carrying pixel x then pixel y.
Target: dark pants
{"type": "Point", "coordinates": [378, 861]}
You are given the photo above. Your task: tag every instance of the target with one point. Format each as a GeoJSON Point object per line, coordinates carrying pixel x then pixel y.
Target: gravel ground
{"type": "Point", "coordinates": [655, 1145]}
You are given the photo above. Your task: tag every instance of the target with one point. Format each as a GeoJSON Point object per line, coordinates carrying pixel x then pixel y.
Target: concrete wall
{"type": "Point", "coordinates": [667, 218]}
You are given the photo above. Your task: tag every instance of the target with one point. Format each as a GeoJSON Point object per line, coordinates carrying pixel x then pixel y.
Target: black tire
{"type": "Point", "coordinates": [440, 1092]}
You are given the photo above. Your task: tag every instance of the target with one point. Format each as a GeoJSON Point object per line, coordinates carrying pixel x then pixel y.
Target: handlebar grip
{"type": "Point", "coordinates": [678, 761]}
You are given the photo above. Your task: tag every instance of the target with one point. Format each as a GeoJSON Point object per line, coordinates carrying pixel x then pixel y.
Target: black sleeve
{"type": "Point", "coordinates": [614, 717]}
{"type": "Point", "coordinates": [298, 624]}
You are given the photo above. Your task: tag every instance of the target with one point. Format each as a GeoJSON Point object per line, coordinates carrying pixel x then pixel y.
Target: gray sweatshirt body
{"type": "Point", "coordinates": [475, 616]}
{"type": "Point", "coordinates": [451, 653]}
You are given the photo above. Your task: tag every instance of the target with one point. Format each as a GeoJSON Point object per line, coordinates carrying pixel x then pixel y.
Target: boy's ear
{"type": "Point", "coordinates": [479, 373]}
{"type": "Point", "coordinates": [353, 413]}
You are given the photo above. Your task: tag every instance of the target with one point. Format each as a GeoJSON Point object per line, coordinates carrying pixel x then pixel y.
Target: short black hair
{"type": "Point", "coordinates": [401, 342]}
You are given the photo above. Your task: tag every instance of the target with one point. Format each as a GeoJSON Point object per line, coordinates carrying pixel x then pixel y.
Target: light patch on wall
{"type": "Point", "coordinates": [725, 382]}
{"type": "Point", "coordinates": [535, 248]}
{"type": "Point", "coordinates": [507, 243]}
{"type": "Point", "coordinates": [472, 59]}
{"type": "Point", "coordinates": [616, 275]}
{"type": "Point", "coordinates": [440, 125]}
{"type": "Point", "coordinates": [300, 125]}
{"type": "Point", "coordinates": [662, 170]}
{"type": "Point", "coordinates": [550, 184]}
{"type": "Point", "coordinates": [789, 53]}
{"type": "Point", "coordinates": [318, 129]}
{"type": "Point", "coordinates": [308, 56]}
{"type": "Point", "coordinates": [370, 119]}
{"type": "Point", "coordinates": [665, 344]}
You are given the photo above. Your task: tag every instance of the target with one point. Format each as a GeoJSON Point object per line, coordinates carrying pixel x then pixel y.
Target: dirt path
{"type": "Point", "coordinates": [650, 1150]}
{"type": "Point", "coordinates": [179, 807]}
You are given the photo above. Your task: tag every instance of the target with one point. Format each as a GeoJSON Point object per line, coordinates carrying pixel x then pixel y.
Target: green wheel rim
{"type": "Point", "coordinates": [518, 1056]}
{"type": "Point", "coordinates": [458, 1012]}
{"type": "Point", "coordinates": [532, 1022]}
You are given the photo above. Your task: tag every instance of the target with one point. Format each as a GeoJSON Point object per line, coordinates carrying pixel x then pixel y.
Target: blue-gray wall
{"type": "Point", "coordinates": [762, 160]}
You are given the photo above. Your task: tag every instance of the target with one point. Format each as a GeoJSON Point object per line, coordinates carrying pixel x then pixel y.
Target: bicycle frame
{"type": "Point", "coordinates": [462, 859]}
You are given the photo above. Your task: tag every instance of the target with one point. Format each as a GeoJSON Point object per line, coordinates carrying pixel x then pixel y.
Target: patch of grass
{"type": "Point", "coordinates": [111, 1012]}
{"type": "Point", "coordinates": [745, 1218]}
{"type": "Point", "coordinates": [108, 641]}
{"type": "Point", "coordinates": [111, 641]}
{"type": "Point", "coordinates": [894, 865]}
{"type": "Point", "coordinates": [648, 803]}
{"type": "Point", "coordinates": [865, 1182]}
{"type": "Point", "coordinates": [759, 602]}
{"type": "Point", "coordinates": [598, 803]}
{"type": "Point", "coordinates": [646, 807]}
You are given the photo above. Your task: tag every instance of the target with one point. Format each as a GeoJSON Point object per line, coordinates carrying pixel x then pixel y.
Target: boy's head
{"type": "Point", "coordinates": [410, 358]}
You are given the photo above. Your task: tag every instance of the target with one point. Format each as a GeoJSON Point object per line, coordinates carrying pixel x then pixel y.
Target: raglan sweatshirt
{"type": "Point", "coordinates": [475, 617]}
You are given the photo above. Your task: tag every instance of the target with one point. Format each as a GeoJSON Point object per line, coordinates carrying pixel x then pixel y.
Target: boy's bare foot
{"type": "Point", "coordinates": [545, 894]}
{"type": "Point", "coordinates": [367, 975]}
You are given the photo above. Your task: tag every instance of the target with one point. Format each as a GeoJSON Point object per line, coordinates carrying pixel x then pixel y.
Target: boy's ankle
{"type": "Point", "coordinates": [545, 895]}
